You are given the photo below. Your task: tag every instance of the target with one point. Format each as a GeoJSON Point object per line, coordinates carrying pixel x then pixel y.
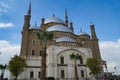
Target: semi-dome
{"type": "Point", "coordinates": [53, 19]}
{"type": "Point", "coordinates": [65, 39]}
{"type": "Point", "coordinates": [59, 28]}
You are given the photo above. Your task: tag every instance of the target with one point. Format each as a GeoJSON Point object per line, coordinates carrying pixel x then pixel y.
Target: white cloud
{"type": "Point", "coordinates": [3, 10]}
{"type": "Point", "coordinates": [2, 25]}
{"type": "Point", "coordinates": [3, 5]}
{"type": "Point", "coordinates": [8, 50]}
{"type": "Point", "coordinates": [110, 51]}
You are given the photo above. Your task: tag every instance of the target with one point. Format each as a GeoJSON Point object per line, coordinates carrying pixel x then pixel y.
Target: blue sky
{"type": "Point", "coordinates": [105, 14]}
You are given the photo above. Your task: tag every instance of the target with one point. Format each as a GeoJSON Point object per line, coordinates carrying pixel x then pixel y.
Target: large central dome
{"type": "Point", "coordinates": [53, 19]}
{"type": "Point", "coordinates": [59, 28]}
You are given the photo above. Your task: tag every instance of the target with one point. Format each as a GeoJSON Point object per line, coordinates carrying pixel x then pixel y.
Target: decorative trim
{"type": "Point", "coordinates": [61, 64]}
{"type": "Point", "coordinates": [33, 66]}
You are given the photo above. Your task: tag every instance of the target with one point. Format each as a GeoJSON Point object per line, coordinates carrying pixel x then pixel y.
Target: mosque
{"type": "Point", "coordinates": [64, 43]}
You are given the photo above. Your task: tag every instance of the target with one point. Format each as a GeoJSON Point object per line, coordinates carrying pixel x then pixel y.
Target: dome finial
{"type": "Point", "coordinates": [35, 24]}
{"type": "Point", "coordinates": [53, 15]}
{"type": "Point", "coordinates": [91, 23]}
{"type": "Point", "coordinates": [80, 29]}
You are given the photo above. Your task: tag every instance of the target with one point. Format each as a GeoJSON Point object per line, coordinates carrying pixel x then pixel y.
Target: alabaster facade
{"type": "Point", "coordinates": [64, 43]}
{"type": "Point", "coordinates": [54, 65]}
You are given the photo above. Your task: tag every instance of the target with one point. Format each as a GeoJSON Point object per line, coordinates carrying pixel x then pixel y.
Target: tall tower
{"type": "Point", "coordinates": [93, 34]}
{"type": "Point", "coordinates": [26, 26]}
{"type": "Point", "coordinates": [95, 46]}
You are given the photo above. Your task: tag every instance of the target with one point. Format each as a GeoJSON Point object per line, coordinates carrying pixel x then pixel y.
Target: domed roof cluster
{"type": "Point", "coordinates": [53, 19]}
{"type": "Point", "coordinates": [59, 28]}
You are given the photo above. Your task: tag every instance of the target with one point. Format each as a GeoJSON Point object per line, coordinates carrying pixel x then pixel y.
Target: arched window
{"type": "Point", "coordinates": [40, 53]}
{"type": "Point", "coordinates": [81, 60]}
{"type": "Point", "coordinates": [61, 60]}
{"type": "Point", "coordinates": [62, 74]}
{"type": "Point", "coordinates": [31, 74]}
{"type": "Point", "coordinates": [33, 52]}
{"type": "Point", "coordinates": [33, 42]}
{"type": "Point", "coordinates": [39, 74]}
{"type": "Point", "coordinates": [82, 73]}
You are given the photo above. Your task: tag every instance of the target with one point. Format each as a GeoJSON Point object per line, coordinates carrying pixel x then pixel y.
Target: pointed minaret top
{"type": "Point", "coordinates": [29, 9]}
{"type": "Point", "coordinates": [66, 14]}
{"type": "Point", "coordinates": [66, 17]}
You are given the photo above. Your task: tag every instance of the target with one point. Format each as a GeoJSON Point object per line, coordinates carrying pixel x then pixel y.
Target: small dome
{"type": "Point", "coordinates": [59, 28]}
{"type": "Point", "coordinates": [66, 39]}
{"type": "Point", "coordinates": [83, 33]}
{"type": "Point", "coordinates": [35, 27]}
{"type": "Point", "coordinates": [53, 19]}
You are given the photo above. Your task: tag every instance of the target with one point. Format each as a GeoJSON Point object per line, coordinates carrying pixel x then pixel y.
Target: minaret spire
{"type": "Point", "coordinates": [29, 9]}
{"type": "Point", "coordinates": [66, 14]}
{"type": "Point", "coordinates": [66, 17]}
{"type": "Point", "coordinates": [27, 18]}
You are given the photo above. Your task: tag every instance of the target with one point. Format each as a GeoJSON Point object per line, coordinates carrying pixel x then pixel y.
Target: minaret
{"type": "Point", "coordinates": [95, 47]}
{"type": "Point", "coordinates": [71, 26]}
{"type": "Point", "coordinates": [42, 26]}
{"type": "Point", "coordinates": [26, 26]}
{"type": "Point", "coordinates": [27, 19]}
{"type": "Point", "coordinates": [42, 21]}
{"type": "Point", "coordinates": [66, 17]}
{"type": "Point", "coordinates": [93, 34]}
{"type": "Point", "coordinates": [94, 42]}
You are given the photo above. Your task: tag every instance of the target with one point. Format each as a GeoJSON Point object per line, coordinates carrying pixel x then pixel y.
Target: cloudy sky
{"type": "Point", "coordinates": [105, 14]}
